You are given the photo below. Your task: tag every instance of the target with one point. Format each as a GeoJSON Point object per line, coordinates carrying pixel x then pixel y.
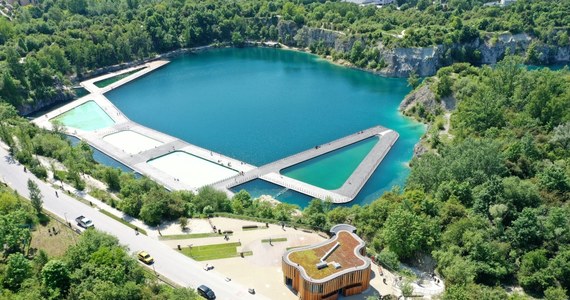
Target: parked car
{"type": "Point", "coordinates": [206, 292]}
{"type": "Point", "coordinates": [145, 257]}
{"type": "Point", "coordinates": [84, 222]}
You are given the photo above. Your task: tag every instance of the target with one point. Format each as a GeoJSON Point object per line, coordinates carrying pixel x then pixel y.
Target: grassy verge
{"type": "Point", "coordinates": [151, 274]}
{"type": "Point", "coordinates": [123, 221]}
{"type": "Point", "coordinates": [274, 240]}
{"type": "Point", "coordinates": [216, 251]}
{"type": "Point", "coordinates": [190, 236]}
{"type": "Point", "coordinates": [54, 245]}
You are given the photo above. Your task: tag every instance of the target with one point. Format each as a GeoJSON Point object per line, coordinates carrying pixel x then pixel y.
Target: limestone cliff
{"type": "Point", "coordinates": [423, 61]}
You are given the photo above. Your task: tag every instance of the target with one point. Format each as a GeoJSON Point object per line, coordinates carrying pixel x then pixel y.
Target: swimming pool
{"type": "Point", "coordinates": [88, 116]}
{"type": "Point", "coordinates": [190, 169]}
{"type": "Point", "coordinates": [331, 170]}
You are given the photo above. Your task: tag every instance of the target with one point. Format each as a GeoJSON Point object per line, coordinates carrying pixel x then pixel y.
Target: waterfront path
{"type": "Point", "coordinates": [143, 70]}
{"type": "Point", "coordinates": [137, 157]}
{"type": "Point", "coordinates": [347, 191]}
{"type": "Point", "coordinates": [136, 161]}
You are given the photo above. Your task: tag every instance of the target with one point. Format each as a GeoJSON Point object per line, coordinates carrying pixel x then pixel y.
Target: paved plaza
{"type": "Point", "coordinates": [262, 270]}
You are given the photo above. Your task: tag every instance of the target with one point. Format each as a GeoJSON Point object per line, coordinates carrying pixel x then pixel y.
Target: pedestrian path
{"type": "Point", "coordinates": [170, 176]}
{"type": "Point", "coordinates": [351, 187]}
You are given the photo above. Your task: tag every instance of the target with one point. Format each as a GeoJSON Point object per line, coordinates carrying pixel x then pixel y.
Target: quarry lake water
{"type": "Point", "coordinates": [259, 105]}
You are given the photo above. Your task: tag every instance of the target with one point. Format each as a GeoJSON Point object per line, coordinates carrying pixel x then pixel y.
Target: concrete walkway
{"type": "Point", "coordinates": [246, 172]}
{"type": "Point", "coordinates": [350, 188]}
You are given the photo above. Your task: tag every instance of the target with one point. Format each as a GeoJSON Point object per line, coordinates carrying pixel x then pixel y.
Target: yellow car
{"type": "Point", "coordinates": [145, 257]}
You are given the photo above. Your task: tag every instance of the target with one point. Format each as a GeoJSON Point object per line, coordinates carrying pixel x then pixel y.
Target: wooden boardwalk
{"type": "Point", "coordinates": [246, 172]}
{"type": "Point", "coordinates": [348, 191]}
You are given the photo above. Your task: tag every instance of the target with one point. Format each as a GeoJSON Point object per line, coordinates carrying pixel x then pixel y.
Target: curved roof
{"type": "Point", "coordinates": [346, 253]}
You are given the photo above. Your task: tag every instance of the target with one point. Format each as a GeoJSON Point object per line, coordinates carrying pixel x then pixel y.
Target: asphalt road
{"type": "Point", "coordinates": [168, 262]}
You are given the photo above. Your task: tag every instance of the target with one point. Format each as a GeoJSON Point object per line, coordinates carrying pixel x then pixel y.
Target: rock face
{"type": "Point", "coordinates": [62, 94]}
{"type": "Point", "coordinates": [401, 61]}
{"type": "Point", "coordinates": [423, 61]}
{"type": "Point", "coordinates": [422, 95]}
{"type": "Point", "coordinates": [290, 34]}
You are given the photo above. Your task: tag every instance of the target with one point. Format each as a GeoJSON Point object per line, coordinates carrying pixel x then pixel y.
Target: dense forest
{"type": "Point", "coordinates": [46, 43]}
{"type": "Point", "coordinates": [489, 200]}
{"type": "Point", "coordinates": [95, 267]}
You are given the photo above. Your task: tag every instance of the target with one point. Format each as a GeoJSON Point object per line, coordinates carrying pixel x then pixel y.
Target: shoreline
{"type": "Point", "coordinates": [157, 62]}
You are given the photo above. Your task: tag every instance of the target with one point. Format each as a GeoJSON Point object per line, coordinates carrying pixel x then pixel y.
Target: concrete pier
{"type": "Point", "coordinates": [348, 191]}
{"type": "Point", "coordinates": [163, 144]}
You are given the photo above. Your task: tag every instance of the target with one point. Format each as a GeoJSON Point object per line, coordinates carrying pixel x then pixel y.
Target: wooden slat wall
{"type": "Point", "coordinates": [304, 288]}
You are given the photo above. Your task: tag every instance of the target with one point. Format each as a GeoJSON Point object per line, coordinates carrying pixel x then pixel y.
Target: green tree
{"type": "Point", "coordinates": [237, 39]}
{"type": "Point", "coordinates": [217, 200]}
{"type": "Point", "coordinates": [554, 178]}
{"type": "Point", "coordinates": [527, 231]}
{"type": "Point", "coordinates": [413, 80]}
{"type": "Point", "coordinates": [112, 179]}
{"type": "Point", "coordinates": [533, 274]}
{"type": "Point", "coordinates": [55, 276]}
{"type": "Point", "coordinates": [389, 259]}
{"type": "Point", "coordinates": [555, 293]}
{"type": "Point", "coordinates": [561, 135]}
{"type": "Point", "coordinates": [35, 196]}
{"type": "Point", "coordinates": [407, 289]}
{"type": "Point", "coordinates": [560, 268]}
{"type": "Point", "coordinates": [17, 270]}
{"type": "Point", "coordinates": [460, 272]}
{"type": "Point", "coordinates": [406, 233]}
{"type": "Point", "coordinates": [183, 221]}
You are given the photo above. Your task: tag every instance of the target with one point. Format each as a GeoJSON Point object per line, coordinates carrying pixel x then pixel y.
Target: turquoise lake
{"type": "Point", "coordinates": [259, 105]}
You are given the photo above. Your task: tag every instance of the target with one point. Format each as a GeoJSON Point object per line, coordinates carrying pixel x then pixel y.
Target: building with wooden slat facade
{"type": "Point", "coordinates": [328, 269]}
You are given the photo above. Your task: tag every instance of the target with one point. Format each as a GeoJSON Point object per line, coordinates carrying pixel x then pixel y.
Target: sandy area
{"type": "Point", "coordinates": [191, 170]}
{"type": "Point", "coordinates": [131, 142]}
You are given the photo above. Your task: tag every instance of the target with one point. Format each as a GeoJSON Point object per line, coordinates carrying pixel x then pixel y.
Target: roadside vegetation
{"type": "Point", "coordinates": [39, 264]}
{"type": "Point", "coordinates": [489, 204]}
{"type": "Point", "coordinates": [489, 200]}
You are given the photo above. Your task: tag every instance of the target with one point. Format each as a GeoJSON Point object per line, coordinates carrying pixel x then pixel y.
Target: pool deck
{"type": "Point", "coordinates": [147, 68]}
{"type": "Point", "coordinates": [246, 172]}
{"type": "Point", "coordinates": [137, 162]}
{"type": "Point", "coordinates": [348, 191]}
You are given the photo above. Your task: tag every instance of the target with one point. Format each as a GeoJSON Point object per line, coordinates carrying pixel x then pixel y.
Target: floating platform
{"type": "Point", "coordinates": [348, 191]}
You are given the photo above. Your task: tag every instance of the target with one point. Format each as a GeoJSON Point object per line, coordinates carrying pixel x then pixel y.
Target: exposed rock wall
{"type": "Point", "coordinates": [424, 61]}
{"type": "Point", "coordinates": [62, 95]}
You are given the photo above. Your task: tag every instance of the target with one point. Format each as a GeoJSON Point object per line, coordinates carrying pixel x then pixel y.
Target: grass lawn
{"type": "Point", "coordinates": [274, 240]}
{"type": "Point", "coordinates": [289, 248]}
{"type": "Point", "coordinates": [123, 221]}
{"type": "Point", "coordinates": [190, 236]}
{"type": "Point", "coordinates": [54, 245]}
{"type": "Point", "coordinates": [216, 251]}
